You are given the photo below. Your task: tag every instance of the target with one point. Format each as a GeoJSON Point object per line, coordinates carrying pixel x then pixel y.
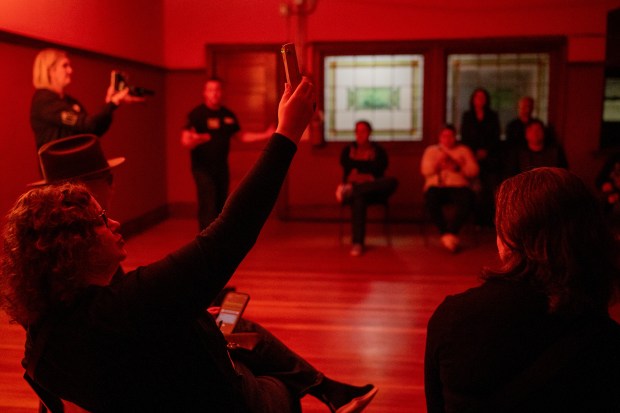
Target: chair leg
{"type": "Point", "coordinates": [387, 225]}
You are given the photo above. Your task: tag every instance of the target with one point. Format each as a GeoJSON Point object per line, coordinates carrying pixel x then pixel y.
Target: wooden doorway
{"type": "Point", "coordinates": [253, 81]}
{"type": "Point", "coordinates": [251, 75]}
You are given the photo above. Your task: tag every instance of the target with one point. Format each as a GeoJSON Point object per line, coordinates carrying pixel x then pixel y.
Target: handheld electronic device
{"type": "Point", "coordinates": [291, 67]}
{"type": "Point", "coordinates": [119, 81]}
{"type": "Point", "coordinates": [231, 310]}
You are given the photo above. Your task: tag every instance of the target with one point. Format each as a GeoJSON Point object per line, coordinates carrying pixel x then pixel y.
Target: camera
{"type": "Point", "coordinates": [119, 82]}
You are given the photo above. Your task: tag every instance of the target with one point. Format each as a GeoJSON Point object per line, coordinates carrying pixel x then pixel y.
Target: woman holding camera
{"type": "Point", "coordinates": [55, 114]}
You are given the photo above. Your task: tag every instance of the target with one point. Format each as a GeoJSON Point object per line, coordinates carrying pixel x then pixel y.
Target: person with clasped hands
{"type": "Point", "coordinates": [144, 342]}
{"type": "Point", "coordinates": [54, 114]}
{"type": "Point", "coordinates": [449, 169]}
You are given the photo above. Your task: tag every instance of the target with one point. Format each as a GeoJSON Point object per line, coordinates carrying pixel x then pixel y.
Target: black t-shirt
{"type": "Point", "coordinates": [222, 125]}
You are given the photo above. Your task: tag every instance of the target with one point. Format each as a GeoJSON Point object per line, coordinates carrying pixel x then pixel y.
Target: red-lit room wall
{"type": "Point", "coordinates": [172, 34]}
{"type": "Point", "coordinates": [191, 24]}
{"type": "Point", "coordinates": [130, 29]}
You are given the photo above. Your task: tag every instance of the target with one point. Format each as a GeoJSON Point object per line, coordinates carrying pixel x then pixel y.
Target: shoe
{"type": "Point", "coordinates": [358, 404]}
{"type": "Point", "coordinates": [354, 401]}
{"type": "Point", "coordinates": [343, 192]}
{"type": "Point", "coordinates": [356, 250]}
{"type": "Point", "coordinates": [451, 242]}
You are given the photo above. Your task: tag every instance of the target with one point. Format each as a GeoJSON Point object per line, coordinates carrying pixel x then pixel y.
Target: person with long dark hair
{"type": "Point", "coordinates": [536, 336]}
{"type": "Point", "coordinates": [480, 130]}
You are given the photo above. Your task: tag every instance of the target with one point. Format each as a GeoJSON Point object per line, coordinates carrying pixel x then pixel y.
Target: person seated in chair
{"type": "Point", "coordinates": [539, 150]}
{"type": "Point", "coordinates": [449, 168]}
{"type": "Point", "coordinates": [363, 181]}
{"type": "Point", "coordinates": [145, 342]}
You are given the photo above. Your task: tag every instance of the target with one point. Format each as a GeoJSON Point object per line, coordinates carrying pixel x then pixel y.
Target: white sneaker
{"type": "Point", "coordinates": [356, 250]}
{"type": "Point", "coordinates": [343, 191]}
{"type": "Point", "coordinates": [451, 242]}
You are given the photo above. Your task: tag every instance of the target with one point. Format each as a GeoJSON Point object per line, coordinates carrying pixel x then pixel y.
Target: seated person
{"type": "Point", "coordinates": [536, 336]}
{"type": "Point", "coordinates": [538, 151]}
{"type": "Point", "coordinates": [515, 130]}
{"type": "Point", "coordinates": [449, 168]}
{"type": "Point", "coordinates": [144, 342]}
{"type": "Point", "coordinates": [363, 181]}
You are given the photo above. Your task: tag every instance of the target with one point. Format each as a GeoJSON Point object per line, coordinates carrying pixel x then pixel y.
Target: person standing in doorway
{"type": "Point", "coordinates": [207, 133]}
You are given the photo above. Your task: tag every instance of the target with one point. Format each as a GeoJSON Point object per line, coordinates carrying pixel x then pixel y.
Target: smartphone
{"type": "Point", "coordinates": [231, 310]}
{"type": "Point", "coordinates": [291, 67]}
{"type": "Point", "coordinates": [118, 80]}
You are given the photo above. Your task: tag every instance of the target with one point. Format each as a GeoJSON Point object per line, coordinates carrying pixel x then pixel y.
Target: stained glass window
{"type": "Point", "coordinates": [385, 90]}
{"type": "Point", "coordinates": [506, 76]}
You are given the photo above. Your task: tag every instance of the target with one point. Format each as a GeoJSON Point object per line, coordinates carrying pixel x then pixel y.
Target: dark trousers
{"type": "Point", "coordinates": [461, 197]}
{"type": "Point", "coordinates": [484, 201]}
{"type": "Point", "coordinates": [211, 192]}
{"type": "Point", "coordinates": [363, 194]}
{"type": "Point", "coordinates": [271, 359]}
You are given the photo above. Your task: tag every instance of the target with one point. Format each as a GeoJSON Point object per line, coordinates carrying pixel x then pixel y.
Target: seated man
{"type": "Point", "coordinates": [364, 164]}
{"type": "Point", "coordinates": [449, 169]}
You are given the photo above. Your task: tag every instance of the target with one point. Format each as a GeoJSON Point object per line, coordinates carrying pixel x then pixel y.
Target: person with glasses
{"type": "Point", "coordinates": [145, 341]}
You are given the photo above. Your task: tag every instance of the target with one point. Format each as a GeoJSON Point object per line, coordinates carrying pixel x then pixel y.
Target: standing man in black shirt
{"type": "Point", "coordinates": [207, 133]}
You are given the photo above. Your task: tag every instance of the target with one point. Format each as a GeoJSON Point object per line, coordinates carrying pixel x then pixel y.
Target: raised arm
{"type": "Point", "coordinates": [191, 277]}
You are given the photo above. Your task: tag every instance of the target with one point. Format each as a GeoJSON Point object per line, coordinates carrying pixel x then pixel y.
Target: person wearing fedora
{"type": "Point", "coordinates": [55, 114]}
{"type": "Point", "coordinates": [78, 158]}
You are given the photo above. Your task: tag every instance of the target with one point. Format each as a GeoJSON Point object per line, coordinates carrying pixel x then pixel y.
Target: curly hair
{"type": "Point", "coordinates": [557, 240]}
{"type": "Point", "coordinates": [46, 242]}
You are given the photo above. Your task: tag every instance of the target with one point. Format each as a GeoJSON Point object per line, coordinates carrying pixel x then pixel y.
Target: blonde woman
{"type": "Point", "coordinates": [53, 113]}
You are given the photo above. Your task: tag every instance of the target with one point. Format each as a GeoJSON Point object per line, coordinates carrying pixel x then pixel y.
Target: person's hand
{"type": "Point", "coordinates": [121, 96]}
{"type": "Point", "coordinates": [295, 110]}
{"type": "Point", "coordinates": [190, 139]}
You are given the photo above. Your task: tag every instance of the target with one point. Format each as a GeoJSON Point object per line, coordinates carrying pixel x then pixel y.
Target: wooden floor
{"type": "Point", "coordinates": [358, 320]}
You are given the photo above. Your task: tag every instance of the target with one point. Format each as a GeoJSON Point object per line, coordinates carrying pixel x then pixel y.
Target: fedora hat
{"type": "Point", "coordinates": [75, 157]}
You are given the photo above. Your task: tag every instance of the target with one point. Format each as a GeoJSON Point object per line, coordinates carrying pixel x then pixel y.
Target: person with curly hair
{"type": "Point", "coordinates": [143, 341]}
{"type": "Point", "coordinates": [536, 336]}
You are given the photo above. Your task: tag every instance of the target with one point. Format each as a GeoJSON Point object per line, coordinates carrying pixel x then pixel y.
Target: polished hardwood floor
{"type": "Point", "coordinates": [357, 319]}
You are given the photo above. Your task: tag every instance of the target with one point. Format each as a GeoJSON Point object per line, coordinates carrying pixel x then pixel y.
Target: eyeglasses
{"type": "Point", "coordinates": [104, 218]}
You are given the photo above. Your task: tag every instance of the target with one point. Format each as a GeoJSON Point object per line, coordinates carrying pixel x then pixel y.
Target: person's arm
{"type": "Point", "coordinates": [468, 163]}
{"type": "Point", "coordinates": [346, 162]}
{"type": "Point", "coordinates": [256, 136]}
{"type": "Point", "coordinates": [190, 139]}
{"type": "Point", "coordinates": [428, 164]}
{"type": "Point", "coordinates": [48, 108]}
{"type": "Point", "coordinates": [380, 163]}
{"type": "Point", "coordinates": [187, 280]}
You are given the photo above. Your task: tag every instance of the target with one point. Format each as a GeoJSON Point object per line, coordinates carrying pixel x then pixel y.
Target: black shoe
{"type": "Point", "coordinates": [359, 403]}
{"type": "Point", "coordinates": [344, 398]}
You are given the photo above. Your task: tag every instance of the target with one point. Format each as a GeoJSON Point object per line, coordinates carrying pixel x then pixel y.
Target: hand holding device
{"type": "Point", "coordinates": [231, 310]}
{"type": "Point", "coordinates": [118, 82]}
